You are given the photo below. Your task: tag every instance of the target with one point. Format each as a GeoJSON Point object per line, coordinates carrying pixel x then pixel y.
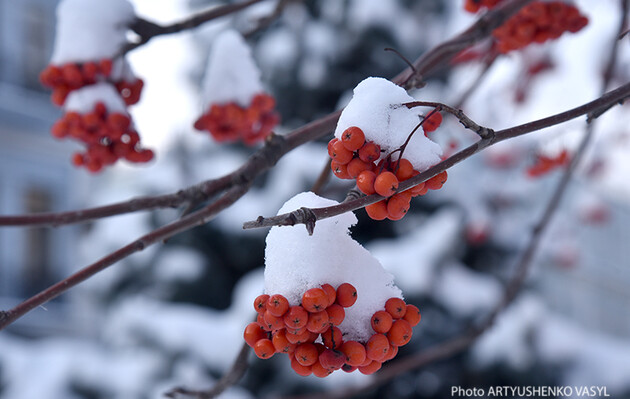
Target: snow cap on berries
{"type": "Point", "coordinates": [83, 100]}
{"type": "Point", "coordinates": [376, 107]}
{"type": "Point", "coordinates": [89, 30]}
{"type": "Point", "coordinates": [232, 75]}
{"type": "Point", "coordinates": [296, 262]}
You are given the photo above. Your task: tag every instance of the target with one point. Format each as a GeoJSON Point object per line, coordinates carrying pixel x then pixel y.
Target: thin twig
{"type": "Point", "coordinates": [236, 372]}
{"type": "Point", "coordinates": [265, 21]}
{"type": "Point", "coordinates": [197, 218]}
{"type": "Point", "coordinates": [483, 132]}
{"type": "Point", "coordinates": [323, 178]}
{"type": "Point", "coordinates": [147, 30]}
{"type": "Point", "coordinates": [306, 215]}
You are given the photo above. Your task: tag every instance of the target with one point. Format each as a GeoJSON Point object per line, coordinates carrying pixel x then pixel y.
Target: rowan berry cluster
{"type": "Point", "coordinates": [63, 79]}
{"type": "Point", "coordinates": [476, 5]}
{"type": "Point", "coordinates": [545, 164]}
{"type": "Point", "coordinates": [232, 122]}
{"type": "Point", "coordinates": [309, 333]}
{"type": "Point", "coordinates": [108, 136]}
{"type": "Point", "coordinates": [355, 158]}
{"type": "Point", "coordinates": [538, 22]}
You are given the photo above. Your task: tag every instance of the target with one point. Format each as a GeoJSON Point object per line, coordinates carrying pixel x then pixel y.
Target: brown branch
{"type": "Point", "coordinates": [147, 30]}
{"type": "Point", "coordinates": [444, 52]}
{"type": "Point", "coordinates": [309, 215]}
{"type": "Point", "coordinates": [197, 218]}
{"type": "Point", "coordinates": [483, 132]}
{"type": "Point", "coordinates": [236, 372]}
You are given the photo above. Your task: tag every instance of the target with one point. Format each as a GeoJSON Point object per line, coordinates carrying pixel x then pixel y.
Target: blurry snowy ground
{"type": "Point", "coordinates": [575, 314]}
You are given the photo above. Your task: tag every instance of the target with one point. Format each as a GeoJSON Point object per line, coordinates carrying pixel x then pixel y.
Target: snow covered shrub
{"type": "Point", "coordinates": [237, 108]}
{"type": "Point", "coordinates": [93, 83]}
{"type": "Point", "coordinates": [328, 303]}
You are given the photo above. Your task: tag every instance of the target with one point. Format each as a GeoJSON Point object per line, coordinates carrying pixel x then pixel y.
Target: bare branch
{"type": "Point", "coordinates": [147, 30]}
{"type": "Point", "coordinates": [264, 22]}
{"type": "Point", "coordinates": [236, 372]}
{"type": "Point", "coordinates": [296, 217]}
{"type": "Point", "coordinates": [483, 132]}
{"type": "Point", "coordinates": [197, 218]}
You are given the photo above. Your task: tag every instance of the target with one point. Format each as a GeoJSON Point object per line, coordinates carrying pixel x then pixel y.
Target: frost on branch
{"type": "Point", "coordinates": [237, 108]}
{"type": "Point", "coordinates": [328, 304]}
{"type": "Point", "coordinates": [377, 142]}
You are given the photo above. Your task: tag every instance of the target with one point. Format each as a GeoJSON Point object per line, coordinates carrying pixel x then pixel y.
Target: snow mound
{"type": "Point", "coordinates": [90, 29]}
{"type": "Point", "coordinates": [296, 262]}
{"type": "Point", "coordinates": [83, 100]}
{"type": "Point", "coordinates": [232, 75]}
{"type": "Point", "coordinates": [376, 107]}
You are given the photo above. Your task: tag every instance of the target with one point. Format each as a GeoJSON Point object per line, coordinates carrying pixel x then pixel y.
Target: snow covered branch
{"type": "Point", "coordinates": [308, 217]}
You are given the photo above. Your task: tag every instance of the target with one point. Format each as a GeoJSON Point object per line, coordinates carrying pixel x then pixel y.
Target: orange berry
{"type": "Point", "coordinates": [260, 320]}
{"type": "Point", "coordinates": [400, 333]}
{"type": "Point", "coordinates": [315, 300]}
{"type": "Point", "coordinates": [281, 343]}
{"type": "Point", "coordinates": [420, 189]}
{"type": "Point", "coordinates": [330, 292]}
{"type": "Point", "coordinates": [106, 67]}
{"type": "Point", "coordinates": [398, 205]}
{"type": "Point", "coordinates": [306, 354]}
{"type": "Point", "coordinates": [317, 322]}
{"type": "Point", "coordinates": [385, 184]}
{"type": "Point", "coordinates": [264, 348]}
{"type": "Point", "coordinates": [277, 305]}
{"type": "Point", "coordinates": [260, 303]}
{"type": "Point", "coordinates": [371, 368]}
{"type": "Point", "coordinates": [341, 171]}
{"type": "Point", "coordinates": [353, 138]}
{"type": "Point", "coordinates": [436, 182]}
{"type": "Point", "coordinates": [396, 307]}
{"type": "Point", "coordinates": [412, 315]}
{"type": "Point", "coordinates": [370, 152]}
{"type": "Point", "coordinates": [72, 75]}
{"type": "Point", "coordinates": [336, 314]}
{"type": "Point", "coordinates": [296, 317]}
{"type": "Point", "coordinates": [377, 347]}
{"type": "Point", "coordinates": [365, 182]}
{"type": "Point", "coordinates": [330, 145]}
{"type": "Point", "coordinates": [377, 210]}
{"type": "Point", "coordinates": [332, 359]}
{"type": "Point", "coordinates": [356, 166]}
{"type": "Point", "coordinates": [432, 122]}
{"type": "Point", "coordinates": [340, 153]}
{"type": "Point", "coordinates": [253, 333]}
{"type": "Point", "coordinates": [332, 338]}
{"type": "Point", "coordinates": [393, 351]}
{"type": "Point", "coordinates": [272, 321]}
{"type": "Point", "coordinates": [404, 169]}
{"type": "Point", "coordinates": [320, 371]}
{"type": "Point", "coordinates": [302, 337]}
{"type": "Point", "coordinates": [295, 331]}
{"type": "Point", "coordinates": [382, 322]}
{"type": "Point", "coordinates": [346, 295]}
{"type": "Point", "coordinates": [354, 351]}
{"type": "Point", "coordinates": [348, 368]}
{"type": "Point", "coordinates": [304, 371]}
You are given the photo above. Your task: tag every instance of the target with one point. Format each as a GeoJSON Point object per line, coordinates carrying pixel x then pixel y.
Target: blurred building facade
{"type": "Point", "coordinates": [35, 172]}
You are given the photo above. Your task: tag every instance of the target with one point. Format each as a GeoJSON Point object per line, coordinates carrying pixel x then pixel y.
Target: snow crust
{"type": "Point", "coordinates": [296, 262]}
{"type": "Point", "coordinates": [232, 75]}
{"type": "Point", "coordinates": [376, 108]}
{"type": "Point", "coordinates": [90, 29]}
{"type": "Point", "coordinates": [84, 99]}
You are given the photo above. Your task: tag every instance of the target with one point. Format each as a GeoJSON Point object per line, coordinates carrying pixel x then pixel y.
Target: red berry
{"type": "Point", "coordinates": [319, 370]}
{"type": "Point", "coordinates": [315, 300]}
{"type": "Point", "coordinates": [332, 359]}
{"type": "Point", "coordinates": [317, 322]}
{"type": "Point", "coordinates": [403, 169]}
{"type": "Point", "coordinates": [365, 182]}
{"type": "Point", "coordinates": [377, 210]}
{"type": "Point", "coordinates": [377, 347]}
{"type": "Point", "coordinates": [412, 315]}
{"type": "Point", "coordinates": [400, 333]}
{"type": "Point", "coordinates": [346, 295]}
{"type": "Point", "coordinates": [340, 153]}
{"type": "Point", "coordinates": [277, 305]}
{"type": "Point", "coordinates": [356, 166]}
{"type": "Point", "coordinates": [296, 317]}
{"type": "Point", "coordinates": [336, 314]}
{"type": "Point", "coordinates": [304, 371]}
{"type": "Point", "coordinates": [264, 348]}
{"type": "Point", "coordinates": [281, 343]}
{"type": "Point", "coordinates": [371, 368]}
{"type": "Point", "coordinates": [260, 303]}
{"type": "Point", "coordinates": [396, 307]}
{"type": "Point", "coordinates": [385, 184]}
{"type": "Point", "coordinates": [330, 292]}
{"type": "Point", "coordinates": [353, 138]}
{"type": "Point", "coordinates": [272, 321]}
{"type": "Point", "coordinates": [253, 333]}
{"type": "Point", "coordinates": [306, 354]}
{"type": "Point", "coordinates": [341, 171]}
{"type": "Point", "coordinates": [398, 205]}
{"type": "Point", "coordinates": [382, 322]}
{"type": "Point", "coordinates": [332, 338]}
{"type": "Point", "coordinates": [437, 181]}
{"type": "Point", "coordinates": [354, 351]}
{"type": "Point", "coordinates": [370, 152]}
{"type": "Point", "coordinates": [433, 121]}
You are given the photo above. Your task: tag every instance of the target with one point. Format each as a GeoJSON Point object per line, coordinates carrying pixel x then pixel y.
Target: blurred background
{"type": "Point", "coordinates": [174, 314]}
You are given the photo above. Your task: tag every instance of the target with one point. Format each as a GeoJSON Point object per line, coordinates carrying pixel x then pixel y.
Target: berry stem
{"type": "Point", "coordinates": [483, 132]}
